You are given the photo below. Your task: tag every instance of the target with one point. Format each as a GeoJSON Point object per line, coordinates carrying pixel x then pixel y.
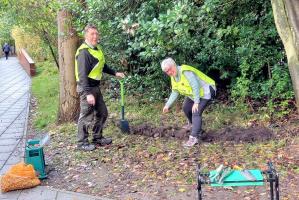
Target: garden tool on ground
{"type": "Point", "coordinates": [221, 173]}
{"type": "Point", "coordinates": [245, 173]}
{"type": "Point", "coordinates": [226, 172]}
{"type": "Point", "coordinates": [124, 124]}
{"type": "Point", "coordinates": [214, 177]}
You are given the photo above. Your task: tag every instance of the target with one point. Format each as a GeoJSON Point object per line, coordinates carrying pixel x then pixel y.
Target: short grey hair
{"type": "Point", "coordinates": [166, 63]}
{"type": "Point", "coordinates": [89, 26]}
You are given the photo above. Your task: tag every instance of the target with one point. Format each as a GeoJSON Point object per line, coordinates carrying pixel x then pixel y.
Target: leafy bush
{"type": "Point", "coordinates": [234, 42]}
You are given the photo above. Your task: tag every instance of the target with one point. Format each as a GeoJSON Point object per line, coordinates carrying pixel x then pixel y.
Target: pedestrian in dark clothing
{"type": "Point", "coordinates": [89, 67]}
{"type": "Point", "coordinates": [6, 50]}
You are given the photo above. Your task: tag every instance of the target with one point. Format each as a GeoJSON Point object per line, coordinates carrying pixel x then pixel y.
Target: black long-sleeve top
{"type": "Point", "coordinates": [86, 62]}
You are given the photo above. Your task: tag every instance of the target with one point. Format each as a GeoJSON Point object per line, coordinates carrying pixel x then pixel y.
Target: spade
{"type": "Point", "coordinates": [124, 124]}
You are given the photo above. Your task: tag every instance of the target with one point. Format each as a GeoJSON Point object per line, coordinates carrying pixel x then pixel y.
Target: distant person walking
{"type": "Point", "coordinates": [6, 50]}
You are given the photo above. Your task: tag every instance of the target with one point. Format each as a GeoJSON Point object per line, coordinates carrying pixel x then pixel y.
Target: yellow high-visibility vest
{"type": "Point", "coordinates": [96, 72]}
{"type": "Point", "coordinates": [183, 86]}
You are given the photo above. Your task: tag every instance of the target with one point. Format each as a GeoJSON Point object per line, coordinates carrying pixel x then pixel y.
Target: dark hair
{"type": "Point", "coordinates": [89, 26]}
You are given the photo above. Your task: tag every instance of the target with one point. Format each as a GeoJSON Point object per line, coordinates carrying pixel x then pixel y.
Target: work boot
{"type": "Point", "coordinates": [191, 142]}
{"type": "Point", "coordinates": [86, 147]}
{"type": "Point", "coordinates": [102, 141]}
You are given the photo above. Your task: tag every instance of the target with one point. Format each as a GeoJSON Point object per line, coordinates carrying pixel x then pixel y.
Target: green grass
{"type": "Point", "coordinates": [45, 87]}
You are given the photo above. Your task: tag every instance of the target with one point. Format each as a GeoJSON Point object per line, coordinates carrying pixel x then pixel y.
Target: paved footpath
{"type": "Point", "coordinates": [14, 109]}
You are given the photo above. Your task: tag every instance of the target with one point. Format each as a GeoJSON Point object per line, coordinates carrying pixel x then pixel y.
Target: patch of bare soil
{"type": "Point", "coordinates": [252, 134]}
{"type": "Point", "coordinates": [233, 134]}
{"type": "Point", "coordinates": [150, 130]}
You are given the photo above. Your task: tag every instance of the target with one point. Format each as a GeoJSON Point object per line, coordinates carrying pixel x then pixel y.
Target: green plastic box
{"type": "Point", "coordinates": [34, 155]}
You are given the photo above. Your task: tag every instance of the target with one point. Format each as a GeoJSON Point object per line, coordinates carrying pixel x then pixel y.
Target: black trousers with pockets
{"type": "Point", "coordinates": [91, 117]}
{"type": "Point", "coordinates": [196, 118]}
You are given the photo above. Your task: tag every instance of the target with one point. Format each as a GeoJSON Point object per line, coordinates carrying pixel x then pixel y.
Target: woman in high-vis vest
{"type": "Point", "coordinates": [198, 88]}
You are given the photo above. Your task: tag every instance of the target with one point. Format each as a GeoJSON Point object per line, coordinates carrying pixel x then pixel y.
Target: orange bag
{"type": "Point", "coordinates": [19, 176]}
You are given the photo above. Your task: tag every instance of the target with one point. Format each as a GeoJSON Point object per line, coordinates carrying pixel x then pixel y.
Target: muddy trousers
{"type": "Point", "coordinates": [196, 118]}
{"type": "Point", "coordinates": [91, 117]}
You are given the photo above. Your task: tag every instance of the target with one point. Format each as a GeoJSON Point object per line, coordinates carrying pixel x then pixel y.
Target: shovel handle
{"type": "Point", "coordinates": [122, 112]}
{"type": "Point", "coordinates": [122, 93]}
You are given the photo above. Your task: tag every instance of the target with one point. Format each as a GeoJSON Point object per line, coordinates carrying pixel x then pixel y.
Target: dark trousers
{"type": "Point", "coordinates": [91, 117]}
{"type": "Point", "coordinates": [6, 55]}
{"type": "Point", "coordinates": [196, 118]}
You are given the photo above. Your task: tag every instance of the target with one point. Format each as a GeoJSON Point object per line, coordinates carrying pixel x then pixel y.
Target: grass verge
{"type": "Point", "coordinates": [45, 87]}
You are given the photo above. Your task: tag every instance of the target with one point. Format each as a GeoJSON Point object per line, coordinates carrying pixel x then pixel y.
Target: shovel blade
{"type": "Point", "coordinates": [124, 126]}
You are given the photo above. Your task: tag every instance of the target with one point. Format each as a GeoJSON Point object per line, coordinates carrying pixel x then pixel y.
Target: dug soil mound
{"type": "Point", "coordinates": [233, 134]}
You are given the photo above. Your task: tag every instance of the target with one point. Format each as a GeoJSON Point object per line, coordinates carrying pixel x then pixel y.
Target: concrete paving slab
{"type": "Point", "coordinates": [7, 149]}
{"type": "Point", "coordinates": [10, 141]}
{"type": "Point", "coordinates": [67, 196]}
{"type": "Point", "coordinates": [2, 162]}
{"type": "Point", "coordinates": [13, 195]}
{"type": "Point", "coordinates": [15, 159]}
{"type": "Point", "coordinates": [4, 156]}
{"type": "Point", "coordinates": [40, 193]}
{"type": "Point", "coordinates": [11, 136]}
{"type": "Point", "coordinates": [5, 169]}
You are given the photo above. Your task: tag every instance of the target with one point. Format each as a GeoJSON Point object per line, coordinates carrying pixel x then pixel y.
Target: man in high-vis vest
{"type": "Point", "coordinates": [89, 67]}
{"type": "Point", "coordinates": [198, 88]}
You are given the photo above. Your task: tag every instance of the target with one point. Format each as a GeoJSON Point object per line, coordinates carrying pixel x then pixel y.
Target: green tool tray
{"type": "Point", "coordinates": [236, 179]}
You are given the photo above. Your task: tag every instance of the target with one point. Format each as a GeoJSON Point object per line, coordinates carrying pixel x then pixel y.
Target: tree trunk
{"type": "Point", "coordinates": [67, 46]}
{"type": "Point", "coordinates": [287, 23]}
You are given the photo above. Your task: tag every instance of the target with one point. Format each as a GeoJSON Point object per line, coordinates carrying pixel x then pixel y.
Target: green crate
{"type": "Point", "coordinates": [34, 155]}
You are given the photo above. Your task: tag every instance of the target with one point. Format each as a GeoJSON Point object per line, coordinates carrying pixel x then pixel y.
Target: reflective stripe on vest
{"type": "Point", "coordinates": [183, 86]}
{"type": "Point", "coordinates": [96, 72]}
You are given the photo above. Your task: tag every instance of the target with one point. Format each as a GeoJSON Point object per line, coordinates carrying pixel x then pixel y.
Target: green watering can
{"type": "Point", "coordinates": [124, 124]}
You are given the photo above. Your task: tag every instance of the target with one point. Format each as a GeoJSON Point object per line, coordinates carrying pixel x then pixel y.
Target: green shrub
{"type": "Point", "coordinates": [234, 42]}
